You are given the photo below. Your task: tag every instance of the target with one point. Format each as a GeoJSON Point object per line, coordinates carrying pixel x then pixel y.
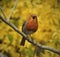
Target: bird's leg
{"type": "Point", "coordinates": [31, 36]}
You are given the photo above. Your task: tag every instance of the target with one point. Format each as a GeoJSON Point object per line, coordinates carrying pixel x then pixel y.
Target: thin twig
{"type": "Point", "coordinates": [28, 38]}
{"type": "Point", "coordinates": [12, 10]}
{"type": "Point", "coordinates": [3, 13]}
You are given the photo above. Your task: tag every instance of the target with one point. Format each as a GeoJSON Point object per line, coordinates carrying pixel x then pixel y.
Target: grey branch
{"type": "Point", "coordinates": [28, 38]}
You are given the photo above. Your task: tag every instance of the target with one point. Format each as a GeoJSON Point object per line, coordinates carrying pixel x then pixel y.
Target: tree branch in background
{"type": "Point", "coordinates": [28, 38]}
{"type": "Point", "coordinates": [3, 13]}
{"type": "Point", "coordinates": [8, 18]}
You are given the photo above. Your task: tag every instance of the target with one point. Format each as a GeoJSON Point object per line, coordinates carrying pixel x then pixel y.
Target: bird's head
{"type": "Point", "coordinates": [33, 16]}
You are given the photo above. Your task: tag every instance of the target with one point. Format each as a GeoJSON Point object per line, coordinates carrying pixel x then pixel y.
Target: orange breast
{"type": "Point", "coordinates": [32, 25]}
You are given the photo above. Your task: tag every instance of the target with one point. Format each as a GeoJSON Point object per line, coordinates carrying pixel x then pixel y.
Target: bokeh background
{"type": "Point", "coordinates": [48, 33]}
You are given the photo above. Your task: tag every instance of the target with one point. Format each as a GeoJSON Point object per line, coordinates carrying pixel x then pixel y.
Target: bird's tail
{"type": "Point", "coordinates": [23, 41]}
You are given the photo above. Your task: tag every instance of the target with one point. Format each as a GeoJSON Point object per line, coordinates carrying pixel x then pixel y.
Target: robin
{"type": "Point", "coordinates": [30, 26]}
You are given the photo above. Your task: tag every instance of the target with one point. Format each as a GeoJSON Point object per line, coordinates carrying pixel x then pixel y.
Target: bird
{"type": "Point", "coordinates": [29, 27]}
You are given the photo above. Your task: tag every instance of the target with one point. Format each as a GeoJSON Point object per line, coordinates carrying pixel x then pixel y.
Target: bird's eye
{"type": "Point", "coordinates": [34, 17]}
